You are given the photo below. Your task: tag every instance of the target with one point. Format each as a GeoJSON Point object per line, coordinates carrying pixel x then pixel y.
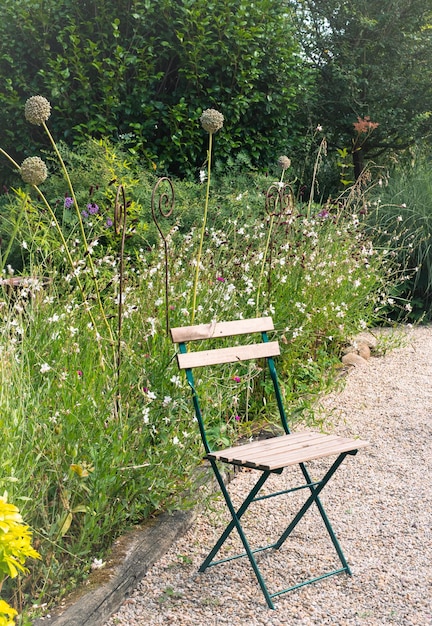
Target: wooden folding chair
{"type": "Point", "coordinates": [269, 456]}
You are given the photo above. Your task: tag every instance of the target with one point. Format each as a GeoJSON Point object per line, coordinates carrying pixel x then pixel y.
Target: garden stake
{"type": "Point", "coordinates": [166, 201]}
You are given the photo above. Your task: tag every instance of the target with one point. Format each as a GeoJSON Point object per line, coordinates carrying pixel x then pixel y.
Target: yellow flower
{"type": "Point", "coordinates": [15, 541]}
{"type": "Point", "coordinates": [7, 614]}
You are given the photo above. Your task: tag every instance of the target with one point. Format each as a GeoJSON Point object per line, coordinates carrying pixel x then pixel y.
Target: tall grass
{"type": "Point", "coordinates": [400, 220]}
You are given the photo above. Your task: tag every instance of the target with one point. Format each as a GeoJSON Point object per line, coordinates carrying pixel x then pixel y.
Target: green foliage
{"type": "Point", "coordinates": [370, 59]}
{"type": "Point", "coordinates": [144, 71]}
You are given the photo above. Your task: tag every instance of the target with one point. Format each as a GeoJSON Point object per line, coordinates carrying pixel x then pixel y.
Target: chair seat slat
{"type": "Point", "coordinates": [228, 355]}
{"type": "Point", "coordinates": [288, 450]}
{"type": "Point", "coordinates": [218, 330]}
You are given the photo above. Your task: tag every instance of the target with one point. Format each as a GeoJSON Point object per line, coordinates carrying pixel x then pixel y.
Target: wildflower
{"type": "Point", "coordinates": [237, 418]}
{"type": "Point", "coordinates": [284, 162]}
{"type": "Point", "coordinates": [176, 380]}
{"type": "Point", "coordinates": [109, 223]}
{"type": "Point", "coordinates": [220, 279]}
{"type": "Point", "coordinates": [319, 128]}
{"type": "Point", "coordinates": [68, 202]}
{"type": "Point", "coordinates": [211, 120]}
{"type": "Point", "coordinates": [97, 564]}
{"type": "Point", "coordinates": [364, 125]}
{"type": "Point", "coordinates": [37, 110]}
{"type": "Point", "coordinates": [80, 373]}
{"type": "Point", "coordinates": [166, 400]}
{"type": "Point", "coordinates": [45, 368]}
{"type": "Point", "coordinates": [92, 208]}
{"type": "Point", "coordinates": [33, 171]}
{"type": "Point", "coordinates": [202, 176]}
{"type": "Point", "coordinates": [146, 413]}
{"type": "Point", "coordinates": [7, 614]}
{"type": "Point", "coordinates": [176, 441]}
{"type": "Point", "coordinates": [237, 379]}
{"type": "Point", "coordinates": [151, 395]}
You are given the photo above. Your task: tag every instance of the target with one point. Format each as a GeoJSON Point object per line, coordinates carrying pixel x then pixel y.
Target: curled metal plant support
{"type": "Point", "coordinates": [163, 196]}
{"type": "Point", "coordinates": [278, 199]}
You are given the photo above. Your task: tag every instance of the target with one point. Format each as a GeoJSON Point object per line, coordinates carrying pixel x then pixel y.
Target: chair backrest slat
{"type": "Point", "coordinates": [228, 355]}
{"type": "Point", "coordinates": [217, 330]}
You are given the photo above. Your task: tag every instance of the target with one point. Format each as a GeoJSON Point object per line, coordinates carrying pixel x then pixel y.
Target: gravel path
{"type": "Point", "coordinates": [379, 503]}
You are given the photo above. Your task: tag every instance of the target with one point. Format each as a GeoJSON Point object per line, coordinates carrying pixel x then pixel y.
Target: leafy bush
{"type": "Point", "coordinates": [144, 71]}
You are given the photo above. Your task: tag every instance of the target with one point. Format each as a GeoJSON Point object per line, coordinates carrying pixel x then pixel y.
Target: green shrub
{"type": "Point", "coordinates": [144, 71]}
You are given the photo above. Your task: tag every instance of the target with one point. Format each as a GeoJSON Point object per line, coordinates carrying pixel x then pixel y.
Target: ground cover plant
{"type": "Point", "coordinates": [96, 423]}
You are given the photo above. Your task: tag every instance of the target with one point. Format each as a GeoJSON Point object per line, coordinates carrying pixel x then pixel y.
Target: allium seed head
{"type": "Point", "coordinates": [33, 171]}
{"type": "Point", "coordinates": [37, 110]}
{"type": "Point", "coordinates": [284, 162]}
{"type": "Point", "coordinates": [211, 120]}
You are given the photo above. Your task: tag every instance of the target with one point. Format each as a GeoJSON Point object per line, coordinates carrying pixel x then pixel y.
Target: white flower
{"type": "Point", "coordinates": [151, 395]}
{"type": "Point", "coordinates": [45, 368]}
{"type": "Point", "coordinates": [97, 564]}
{"type": "Point", "coordinates": [24, 245]}
{"type": "Point", "coordinates": [176, 380]}
{"type": "Point", "coordinates": [176, 441]}
{"type": "Point", "coordinates": [202, 176]}
{"type": "Point", "coordinates": [166, 400]}
{"type": "Point", "coordinates": [146, 413]}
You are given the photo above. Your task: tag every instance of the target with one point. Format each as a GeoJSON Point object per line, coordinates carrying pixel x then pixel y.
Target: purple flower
{"type": "Point", "coordinates": [324, 213]}
{"type": "Point", "coordinates": [220, 279]}
{"type": "Point", "coordinates": [237, 379]}
{"type": "Point", "coordinates": [237, 418]}
{"type": "Point", "coordinates": [68, 202]}
{"type": "Point", "coordinates": [84, 214]}
{"type": "Point", "coordinates": [92, 208]}
{"type": "Point", "coordinates": [109, 223]}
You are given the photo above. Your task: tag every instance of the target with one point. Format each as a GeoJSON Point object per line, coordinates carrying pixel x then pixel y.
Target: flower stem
{"type": "Point", "coordinates": [87, 248]}
{"type": "Point", "coordinates": [209, 158]}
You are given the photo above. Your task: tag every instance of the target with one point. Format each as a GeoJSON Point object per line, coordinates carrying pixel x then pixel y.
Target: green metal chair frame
{"type": "Point", "coordinates": [269, 456]}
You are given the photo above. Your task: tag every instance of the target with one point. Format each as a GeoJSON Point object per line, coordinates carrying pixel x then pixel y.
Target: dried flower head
{"type": "Point", "coordinates": [37, 110]}
{"type": "Point", "coordinates": [33, 171]}
{"type": "Point", "coordinates": [284, 162]}
{"type": "Point", "coordinates": [211, 120]}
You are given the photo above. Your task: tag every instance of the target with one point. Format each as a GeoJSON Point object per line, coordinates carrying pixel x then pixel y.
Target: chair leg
{"type": "Point", "coordinates": [235, 523]}
{"type": "Point", "coordinates": [315, 491]}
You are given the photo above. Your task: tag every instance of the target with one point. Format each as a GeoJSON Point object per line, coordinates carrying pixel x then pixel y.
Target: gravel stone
{"type": "Point", "coordinates": [379, 503]}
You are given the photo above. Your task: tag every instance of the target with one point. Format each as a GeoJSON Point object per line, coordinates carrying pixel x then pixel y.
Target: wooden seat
{"type": "Point", "coordinates": [285, 450]}
{"type": "Point", "coordinates": [266, 456]}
